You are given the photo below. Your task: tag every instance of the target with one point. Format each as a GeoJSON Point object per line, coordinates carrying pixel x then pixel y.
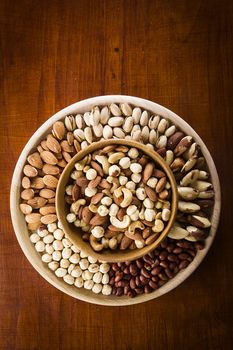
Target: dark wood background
{"type": "Point", "coordinates": [176, 53]}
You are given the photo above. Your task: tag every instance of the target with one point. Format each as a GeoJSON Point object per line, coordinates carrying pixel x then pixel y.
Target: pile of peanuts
{"type": "Point", "coordinates": [119, 198]}
{"type": "Point", "coordinates": [153, 270]}
{"type": "Point", "coordinates": [45, 164]}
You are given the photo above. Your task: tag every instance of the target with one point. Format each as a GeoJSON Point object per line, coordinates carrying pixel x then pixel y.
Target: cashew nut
{"type": "Point", "coordinates": [115, 157]}
{"type": "Point", "coordinates": [93, 208]}
{"type": "Point", "coordinates": [135, 225]}
{"type": "Point", "coordinates": [118, 192]}
{"type": "Point", "coordinates": [128, 196]}
{"type": "Point", "coordinates": [114, 181]}
{"type": "Point", "coordinates": [81, 164]}
{"type": "Point", "coordinates": [95, 244]}
{"type": "Point", "coordinates": [76, 205]}
{"type": "Point", "coordinates": [104, 162]}
{"type": "Point", "coordinates": [120, 224]}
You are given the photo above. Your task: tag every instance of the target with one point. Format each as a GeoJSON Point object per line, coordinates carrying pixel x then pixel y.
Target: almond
{"type": "Point", "coordinates": [44, 145]}
{"type": "Point", "coordinates": [86, 215]}
{"type": "Point", "coordinates": [47, 193]}
{"type": "Point", "coordinates": [35, 160]}
{"type": "Point", "coordinates": [75, 192]}
{"type": "Point", "coordinates": [118, 200]}
{"type": "Point", "coordinates": [51, 200]}
{"type": "Point", "coordinates": [47, 209]}
{"type": "Point", "coordinates": [48, 219]}
{"type": "Point", "coordinates": [25, 208]}
{"type": "Point", "coordinates": [62, 163]}
{"type": "Point", "coordinates": [53, 144]}
{"type": "Point", "coordinates": [34, 226]}
{"type": "Point", "coordinates": [148, 170]}
{"type": "Point", "coordinates": [59, 130]}
{"type": "Point", "coordinates": [125, 243]}
{"type": "Point", "coordinates": [135, 236]}
{"type": "Point", "coordinates": [148, 223]}
{"type": "Point", "coordinates": [114, 229]}
{"type": "Point", "coordinates": [107, 149]}
{"type": "Point", "coordinates": [143, 160]}
{"type": "Point", "coordinates": [26, 183]}
{"type": "Point", "coordinates": [94, 183]}
{"type": "Point", "coordinates": [97, 198]}
{"type": "Point", "coordinates": [66, 147]}
{"type": "Point", "coordinates": [152, 238]}
{"type": "Point", "coordinates": [161, 184]}
{"type": "Point", "coordinates": [50, 169]}
{"type": "Point", "coordinates": [50, 181]}
{"type": "Point", "coordinates": [121, 213]}
{"type": "Point", "coordinates": [27, 194]}
{"type": "Point", "coordinates": [98, 220]}
{"type": "Point", "coordinates": [158, 173]}
{"type": "Point", "coordinates": [59, 156]}
{"type": "Point", "coordinates": [97, 167]}
{"type": "Point", "coordinates": [67, 156]}
{"type": "Point", "coordinates": [30, 171]}
{"type": "Point", "coordinates": [70, 138]}
{"type": "Point", "coordinates": [49, 158]}
{"type": "Point", "coordinates": [32, 218]}
{"type": "Point", "coordinates": [151, 193]}
{"type": "Point", "coordinates": [37, 183]}
{"type": "Point", "coordinates": [82, 181]}
{"type": "Point", "coordinates": [135, 201]}
{"type": "Point", "coordinates": [105, 184]}
{"type": "Point", "coordinates": [77, 146]}
{"type": "Point", "coordinates": [37, 202]}
{"type": "Point", "coordinates": [163, 194]}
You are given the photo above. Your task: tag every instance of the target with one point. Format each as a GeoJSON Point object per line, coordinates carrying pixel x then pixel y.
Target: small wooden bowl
{"type": "Point", "coordinates": [74, 233]}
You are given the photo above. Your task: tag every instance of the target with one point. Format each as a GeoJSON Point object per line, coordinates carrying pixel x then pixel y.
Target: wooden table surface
{"type": "Point", "coordinates": [176, 53]}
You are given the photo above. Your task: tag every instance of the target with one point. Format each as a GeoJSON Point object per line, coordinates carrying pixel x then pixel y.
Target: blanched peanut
{"type": "Point", "coordinates": [136, 168]}
{"type": "Point", "coordinates": [98, 231]}
{"type": "Point", "coordinates": [125, 162]}
{"type": "Point", "coordinates": [91, 174]}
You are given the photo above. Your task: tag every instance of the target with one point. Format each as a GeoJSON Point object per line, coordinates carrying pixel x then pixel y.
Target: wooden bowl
{"type": "Point", "coordinates": [20, 226]}
{"type": "Point", "coordinates": [74, 234]}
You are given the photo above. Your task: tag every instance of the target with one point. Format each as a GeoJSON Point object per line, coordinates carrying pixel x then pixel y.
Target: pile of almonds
{"type": "Point", "coordinates": [119, 197]}
{"type": "Point", "coordinates": [180, 151]}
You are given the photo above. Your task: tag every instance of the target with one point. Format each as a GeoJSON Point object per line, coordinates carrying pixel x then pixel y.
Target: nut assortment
{"type": "Point", "coordinates": [119, 197]}
{"type": "Point", "coordinates": [45, 164]}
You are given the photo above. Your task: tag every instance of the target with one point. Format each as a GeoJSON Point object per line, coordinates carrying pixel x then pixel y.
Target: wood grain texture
{"type": "Point", "coordinates": [176, 53]}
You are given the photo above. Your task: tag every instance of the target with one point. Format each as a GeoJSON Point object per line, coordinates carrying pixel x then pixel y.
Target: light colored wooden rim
{"type": "Point", "coordinates": [21, 228]}
{"type": "Point", "coordinates": [71, 231]}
